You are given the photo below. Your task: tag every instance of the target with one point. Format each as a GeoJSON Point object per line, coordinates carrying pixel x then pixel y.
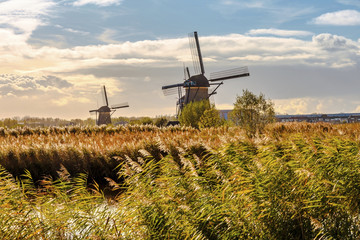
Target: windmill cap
{"type": "Point", "coordinates": [197, 81]}
{"type": "Point", "coordinates": [104, 109]}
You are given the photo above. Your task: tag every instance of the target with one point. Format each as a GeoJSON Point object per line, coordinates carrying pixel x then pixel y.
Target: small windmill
{"type": "Point", "coordinates": [103, 114]}
{"type": "Point", "coordinates": [196, 87]}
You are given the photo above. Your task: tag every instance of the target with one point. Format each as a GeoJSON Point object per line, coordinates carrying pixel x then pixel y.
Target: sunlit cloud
{"type": "Point", "coordinates": [309, 105]}
{"type": "Point", "coordinates": [24, 15]}
{"type": "Point", "coordinates": [350, 2]}
{"type": "Point", "coordinates": [279, 13]}
{"type": "Point", "coordinates": [278, 32]}
{"type": "Point", "coordinates": [339, 18]}
{"type": "Point", "coordinates": [71, 30]}
{"type": "Point", "coordinates": [107, 36]}
{"type": "Point", "coordinates": [30, 85]}
{"type": "Point", "coordinates": [323, 50]}
{"type": "Point", "coordinates": [245, 4]}
{"type": "Point", "coordinates": [97, 2]}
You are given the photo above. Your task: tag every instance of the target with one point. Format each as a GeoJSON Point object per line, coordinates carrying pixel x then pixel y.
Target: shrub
{"type": "Point", "coordinates": [252, 112]}
{"type": "Point", "coordinates": [192, 112]}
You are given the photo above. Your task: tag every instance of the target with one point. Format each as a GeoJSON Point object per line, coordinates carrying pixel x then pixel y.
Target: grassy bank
{"type": "Point", "coordinates": [296, 181]}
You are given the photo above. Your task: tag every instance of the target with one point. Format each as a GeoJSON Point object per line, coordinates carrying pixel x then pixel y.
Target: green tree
{"type": "Point", "coordinates": [211, 118]}
{"type": "Point", "coordinates": [146, 121]}
{"type": "Point", "coordinates": [10, 122]}
{"type": "Point", "coordinates": [160, 122]}
{"type": "Point", "coordinates": [252, 112]}
{"type": "Point", "coordinates": [192, 112]}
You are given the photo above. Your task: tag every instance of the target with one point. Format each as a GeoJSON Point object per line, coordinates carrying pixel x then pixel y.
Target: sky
{"type": "Point", "coordinates": [55, 55]}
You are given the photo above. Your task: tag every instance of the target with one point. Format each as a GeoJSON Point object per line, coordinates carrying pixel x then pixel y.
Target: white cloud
{"type": "Point", "coordinates": [350, 2]}
{"type": "Point", "coordinates": [71, 30]}
{"type": "Point", "coordinates": [19, 19]}
{"type": "Point", "coordinates": [126, 66]}
{"type": "Point", "coordinates": [278, 32]}
{"type": "Point", "coordinates": [51, 94]}
{"type": "Point", "coordinates": [25, 8]}
{"type": "Point", "coordinates": [24, 15]}
{"type": "Point", "coordinates": [245, 4]}
{"type": "Point", "coordinates": [97, 2]}
{"type": "Point", "coordinates": [322, 50]}
{"type": "Point", "coordinates": [21, 85]}
{"type": "Point", "coordinates": [339, 18]}
{"type": "Point", "coordinates": [293, 106]}
{"type": "Point", "coordinates": [309, 105]}
{"type": "Point", "coordinates": [335, 42]}
{"type": "Point", "coordinates": [108, 36]}
{"type": "Point", "coordinates": [63, 101]}
{"type": "Point", "coordinates": [278, 13]}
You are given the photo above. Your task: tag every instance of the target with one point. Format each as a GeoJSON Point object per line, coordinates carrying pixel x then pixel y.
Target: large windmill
{"type": "Point", "coordinates": [196, 87]}
{"type": "Point", "coordinates": [103, 114]}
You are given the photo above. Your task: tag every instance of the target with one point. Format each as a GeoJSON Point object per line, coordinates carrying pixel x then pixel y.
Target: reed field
{"type": "Point", "coordinates": [294, 181]}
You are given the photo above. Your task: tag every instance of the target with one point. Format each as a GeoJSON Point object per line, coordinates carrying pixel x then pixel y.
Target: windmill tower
{"type": "Point", "coordinates": [196, 87]}
{"type": "Point", "coordinates": [103, 114]}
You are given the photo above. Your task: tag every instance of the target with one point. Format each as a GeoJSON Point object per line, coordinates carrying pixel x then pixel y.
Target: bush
{"type": "Point", "coordinates": [192, 112]}
{"type": "Point", "coordinates": [211, 118]}
{"type": "Point", "coordinates": [252, 112]}
{"type": "Point", "coordinates": [161, 122]}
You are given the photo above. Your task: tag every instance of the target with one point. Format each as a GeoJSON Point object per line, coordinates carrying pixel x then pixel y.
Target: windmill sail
{"type": "Point", "coordinates": [196, 53]}
{"type": "Point", "coordinates": [229, 74]}
{"type": "Point", "coordinates": [93, 112]}
{"type": "Point", "coordinates": [104, 95]}
{"type": "Point", "coordinates": [186, 73]}
{"type": "Point", "coordinates": [172, 89]}
{"type": "Point", "coordinates": [120, 105]}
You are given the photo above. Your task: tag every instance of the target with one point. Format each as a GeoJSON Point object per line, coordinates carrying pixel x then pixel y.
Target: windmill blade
{"type": "Point", "coordinates": [172, 86]}
{"type": "Point", "coordinates": [196, 53]}
{"type": "Point", "coordinates": [186, 73]}
{"type": "Point", "coordinates": [92, 112]}
{"type": "Point", "coordinates": [120, 105]}
{"type": "Point", "coordinates": [172, 89]}
{"type": "Point", "coordinates": [229, 74]}
{"type": "Point", "coordinates": [104, 95]}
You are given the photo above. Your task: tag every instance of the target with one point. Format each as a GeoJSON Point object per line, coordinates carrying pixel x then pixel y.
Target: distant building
{"type": "Point", "coordinates": [34, 124]}
{"type": "Point", "coordinates": [311, 118]}
{"type": "Point", "coordinates": [224, 114]}
{"type": "Point", "coordinates": [121, 123]}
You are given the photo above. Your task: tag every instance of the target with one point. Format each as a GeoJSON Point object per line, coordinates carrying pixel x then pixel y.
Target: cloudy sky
{"type": "Point", "coordinates": [55, 54]}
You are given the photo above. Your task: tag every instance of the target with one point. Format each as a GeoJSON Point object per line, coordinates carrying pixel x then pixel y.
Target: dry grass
{"type": "Point", "coordinates": [296, 181]}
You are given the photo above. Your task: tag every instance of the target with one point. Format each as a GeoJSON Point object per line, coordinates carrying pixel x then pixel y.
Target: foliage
{"type": "Point", "coordinates": [160, 122]}
{"type": "Point", "coordinates": [192, 112]}
{"type": "Point", "coordinates": [252, 112]}
{"type": "Point", "coordinates": [8, 122]}
{"type": "Point", "coordinates": [33, 122]}
{"type": "Point", "coordinates": [210, 118]}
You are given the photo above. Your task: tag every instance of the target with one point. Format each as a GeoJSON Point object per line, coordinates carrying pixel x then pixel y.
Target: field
{"type": "Point", "coordinates": [295, 181]}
